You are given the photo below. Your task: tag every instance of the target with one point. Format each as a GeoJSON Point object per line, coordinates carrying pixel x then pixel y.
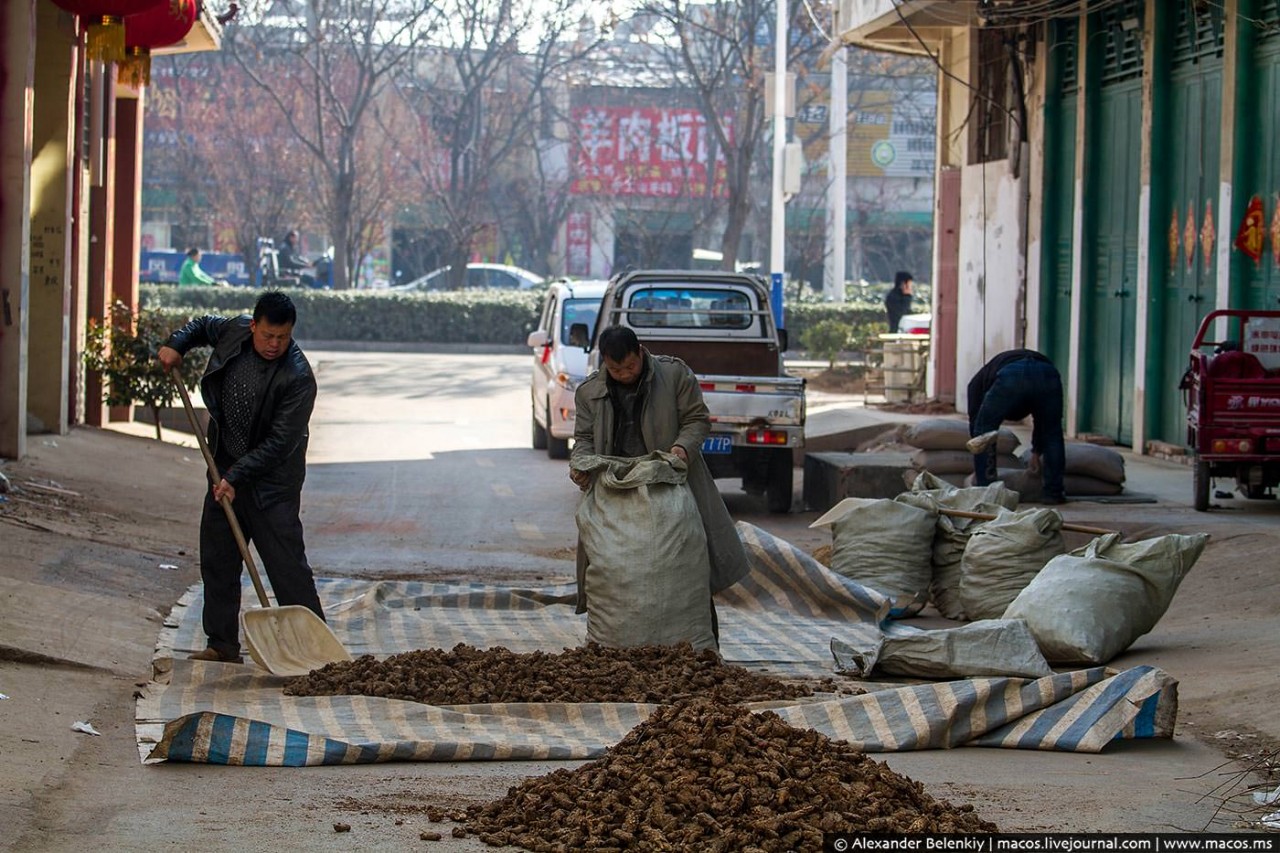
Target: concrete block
{"type": "Point", "coordinates": [831, 477]}
{"type": "Point", "coordinates": [845, 440]}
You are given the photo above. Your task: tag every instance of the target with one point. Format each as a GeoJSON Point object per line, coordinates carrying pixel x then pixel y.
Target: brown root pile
{"type": "Point", "coordinates": [590, 673]}
{"type": "Point", "coordinates": [698, 776]}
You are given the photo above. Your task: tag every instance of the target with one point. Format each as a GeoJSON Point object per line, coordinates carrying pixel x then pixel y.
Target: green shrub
{"type": "Point", "coordinates": [123, 349]}
{"type": "Point", "coordinates": [471, 317]}
{"type": "Point", "coordinates": [826, 339]}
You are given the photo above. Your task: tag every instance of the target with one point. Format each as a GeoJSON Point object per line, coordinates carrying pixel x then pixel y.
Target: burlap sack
{"type": "Point", "coordinates": [885, 545]}
{"type": "Point", "coordinates": [952, 533]}
{"type": "Point", "coordinates": [648, 576]}
{"type": "Point", "coordinates": [1086, 607]}
{"type": "Point", "coordinates": [952, 434]}
{"type": "Point", "coordinates": [1003, 556]}
{"type": "Point", "coordinates": [955, 461]}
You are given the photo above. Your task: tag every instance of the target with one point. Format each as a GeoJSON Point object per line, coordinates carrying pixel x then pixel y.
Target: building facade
{"type": "Point", "coordinates": [1111, 168]}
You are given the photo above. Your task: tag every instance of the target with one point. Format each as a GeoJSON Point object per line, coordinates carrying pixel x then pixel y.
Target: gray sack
{"type": "Point", "coordinates": [648, 575]}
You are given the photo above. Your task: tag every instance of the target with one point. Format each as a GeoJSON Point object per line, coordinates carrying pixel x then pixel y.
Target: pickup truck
{"type": "Point", "coordinates": [721, 325]}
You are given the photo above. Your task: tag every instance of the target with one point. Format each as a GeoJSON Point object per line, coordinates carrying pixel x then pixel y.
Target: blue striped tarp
{"type": "Point", "coordinates": [781, 619]}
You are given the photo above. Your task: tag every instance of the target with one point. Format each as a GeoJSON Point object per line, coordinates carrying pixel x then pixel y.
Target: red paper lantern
{"type": "Point", "coordinates": [162, 26]}
{"type": "Point", "coordinates": [105, 21]}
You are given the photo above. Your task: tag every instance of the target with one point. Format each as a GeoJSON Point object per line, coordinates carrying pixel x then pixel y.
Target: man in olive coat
{"type": "Point", "coordinates": [638, 403]}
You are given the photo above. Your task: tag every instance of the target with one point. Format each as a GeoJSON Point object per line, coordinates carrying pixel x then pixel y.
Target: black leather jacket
{"type": "Point", "coordinates": [276, 463]}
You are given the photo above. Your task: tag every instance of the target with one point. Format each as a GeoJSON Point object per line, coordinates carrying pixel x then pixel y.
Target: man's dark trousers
{"type": "Point", "coordinates": [276, 531]}
{"type": "Point", "coordinates": [1025, 387]}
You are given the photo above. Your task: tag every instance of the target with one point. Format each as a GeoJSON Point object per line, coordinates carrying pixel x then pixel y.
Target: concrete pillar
{"type": "Point", "coordinates": [52, 158]}
{"type": "Point", "coordinates": [126, 214]}
{"type": "Point", "coordinates": [1087, 90]}
{"type": "Point", "coordinates": [17, 74]}
{"type": "Point", "coordinates": [102, 169]}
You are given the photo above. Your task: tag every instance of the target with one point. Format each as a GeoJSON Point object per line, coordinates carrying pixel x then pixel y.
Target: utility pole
{"type": "Point", "coordinates": [837, 169]}
{"type": "Point", "coordinates": [777, 242]}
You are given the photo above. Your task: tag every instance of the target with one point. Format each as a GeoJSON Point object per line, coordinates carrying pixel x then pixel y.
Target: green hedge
{"type": "Point", "coordinates": [472, 317]}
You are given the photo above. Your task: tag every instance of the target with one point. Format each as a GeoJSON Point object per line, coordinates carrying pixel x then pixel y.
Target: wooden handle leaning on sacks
{"type": "Point", "coordinates": [986, 516]}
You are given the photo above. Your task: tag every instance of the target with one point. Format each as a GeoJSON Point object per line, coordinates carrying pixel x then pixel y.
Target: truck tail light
{"type": "Point", "coordinates": [707, 386]}
{"type": "Point", "coordinates": [766, 436]}
{"type": "Point", "coordinates": [1234, 445]}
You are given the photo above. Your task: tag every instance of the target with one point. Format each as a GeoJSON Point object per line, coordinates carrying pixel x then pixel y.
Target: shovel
{"type": "Point", "coordinates": [986, 516]}
{"type": "Point", "coordinates": [287, 640]}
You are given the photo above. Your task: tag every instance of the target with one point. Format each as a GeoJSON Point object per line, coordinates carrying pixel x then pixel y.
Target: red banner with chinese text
{"type": "Point", "coordinates": [646, 151]}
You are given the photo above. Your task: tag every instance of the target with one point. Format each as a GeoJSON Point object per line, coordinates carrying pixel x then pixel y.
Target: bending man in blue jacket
{"type": "Point", "coordinates": [260, 391]}
{"type": "Point", "coordinates": [1010, 386]}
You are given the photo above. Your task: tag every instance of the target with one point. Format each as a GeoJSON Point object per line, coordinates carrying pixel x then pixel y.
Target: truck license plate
{"type": "Point", "coordinates": [717, 444]}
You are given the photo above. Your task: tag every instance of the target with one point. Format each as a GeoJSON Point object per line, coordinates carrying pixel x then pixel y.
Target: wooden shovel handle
{"type": "Point", "coordinates": [226, 502]}
{"type": "Point", "coordinates": [986, 516]}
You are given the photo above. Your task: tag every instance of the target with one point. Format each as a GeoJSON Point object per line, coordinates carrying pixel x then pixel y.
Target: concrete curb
{"type": "Point", "coordinates": [413, 346]}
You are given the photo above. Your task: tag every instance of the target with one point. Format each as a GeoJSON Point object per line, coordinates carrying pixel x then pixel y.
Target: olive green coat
{"type": "Point", "coordinates": [674, 413]}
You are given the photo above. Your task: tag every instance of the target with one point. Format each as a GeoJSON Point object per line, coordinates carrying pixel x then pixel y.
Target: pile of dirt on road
{"type": "Point", "coordinates": [699, 776]}
{"type": "Point", "coordinates": [591, 673]}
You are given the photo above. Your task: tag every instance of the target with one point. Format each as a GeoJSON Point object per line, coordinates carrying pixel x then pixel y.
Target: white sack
{"type": "Point", "coordinates": [1088, 606]}
{"type": "Point", "coordinates": [994, 647]}
{"type": "Point", "coordinates": [885, 545]}
{"type": "Point", "coordinates": [1003, 556]}
{"type": "Point", "coordinates": [951, 533]}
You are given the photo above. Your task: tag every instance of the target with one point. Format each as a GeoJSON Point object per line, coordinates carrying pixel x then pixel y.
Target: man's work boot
{"type": "Point", "coordinates": [215, 655]}
{"type": "Point", "coordinates": [980, 443]}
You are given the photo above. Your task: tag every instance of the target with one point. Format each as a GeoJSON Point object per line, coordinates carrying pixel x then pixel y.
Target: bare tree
{"type": "Point", "coordinates": [342, 55]}
{"type": "Point", "coordinates": [721, 50]}
{"type": "Point", "coordinates": [227, 161]}
{"type": "Point", "coordinates": [483, 107]}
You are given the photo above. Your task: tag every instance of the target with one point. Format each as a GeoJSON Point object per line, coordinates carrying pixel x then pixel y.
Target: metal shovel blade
{"type": "Point", "coordinates": [290, 640]}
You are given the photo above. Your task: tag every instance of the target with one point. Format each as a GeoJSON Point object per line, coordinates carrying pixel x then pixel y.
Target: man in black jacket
{"type": "Point", "coordinates": [1010, 386]}
{"type": "Point", "coordinates": [259, 391]}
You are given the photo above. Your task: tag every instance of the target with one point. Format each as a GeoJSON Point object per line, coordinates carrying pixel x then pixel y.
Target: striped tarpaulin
{"type": "Point", "coordinates": [781, 619]}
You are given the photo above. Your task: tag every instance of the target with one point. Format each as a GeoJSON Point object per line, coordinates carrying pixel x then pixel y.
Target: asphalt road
{"type": "Point", "coordinates": [423, 465]}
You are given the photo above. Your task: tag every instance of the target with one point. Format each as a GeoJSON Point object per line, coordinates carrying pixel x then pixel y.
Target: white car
{"type": "Point", "coordinates": [560, 364]}
{"type": "Point", "coordinates": [915, 324]}
{"type": "Point", "coordinates": [496, 276]}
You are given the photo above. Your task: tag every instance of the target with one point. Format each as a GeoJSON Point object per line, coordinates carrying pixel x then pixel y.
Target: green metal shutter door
{"type": "Point", "coordinates": [1059, 195]}
{"type": "Point", "coordinates": [1193, 144]}
{"type": "Point", "coordinates": [1259, 159]}
{"type": "Point", "coordinates": [1111, 226]}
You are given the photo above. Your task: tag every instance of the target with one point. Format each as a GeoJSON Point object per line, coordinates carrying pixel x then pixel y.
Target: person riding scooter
{"type": "Point", "coordinates": [291, 262]}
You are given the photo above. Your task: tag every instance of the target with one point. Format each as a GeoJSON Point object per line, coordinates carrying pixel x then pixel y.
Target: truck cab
{"type": "Point", "coordinates": [721, 325]}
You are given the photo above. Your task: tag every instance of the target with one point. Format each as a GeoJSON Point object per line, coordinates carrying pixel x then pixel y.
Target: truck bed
{"type": "Point", "coordinates": [737, 358]}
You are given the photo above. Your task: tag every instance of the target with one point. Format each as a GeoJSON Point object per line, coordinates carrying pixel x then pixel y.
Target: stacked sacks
{"type": "Point", "coordinates": [1089, 470]}
{"type": "Point", "coordinates": [952, 533]}
{"type": "Point", "coordinates": [1003, 556]}
{"type": "Point", "coordinates": [1093, 470]}
{"type": "Point", "coordinates": [941, 451]}
{"type": "Point", "coordinates": [886, 545]}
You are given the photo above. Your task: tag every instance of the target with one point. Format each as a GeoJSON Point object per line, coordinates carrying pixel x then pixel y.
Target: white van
{"type": "Point", "coordinates": [559, 364]}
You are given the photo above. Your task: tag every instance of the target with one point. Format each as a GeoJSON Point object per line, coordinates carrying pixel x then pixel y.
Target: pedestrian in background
{"type": "Point", "coordinates": [190, 273]}
{"type": "Point", "coordinates": [1010, 386]}
{"type": "Point", "coordinates": [260, 391]}
{"type": "Point", "coordinates": [897, 302]}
